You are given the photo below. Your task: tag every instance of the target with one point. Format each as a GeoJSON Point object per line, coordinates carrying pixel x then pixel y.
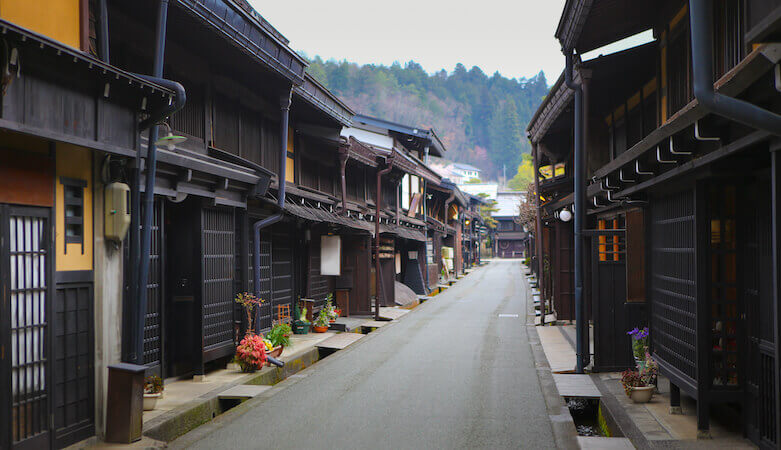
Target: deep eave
{"type": "Point", "coordinates": [250, 35]}
{"type": "Point", "coordinates": [436, 147]}
{"type": "Point", "coordinates": [551, 107]}
{"type": "Point", "coordinates": [324, 100]}
{"type": "Point", "coordinates": [9, 29]}
{"type": "Point", "coordinates": [585, 25]}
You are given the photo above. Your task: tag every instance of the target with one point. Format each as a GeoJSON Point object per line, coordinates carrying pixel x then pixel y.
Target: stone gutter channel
{"type": "Point", "coordinates": [177, 422]}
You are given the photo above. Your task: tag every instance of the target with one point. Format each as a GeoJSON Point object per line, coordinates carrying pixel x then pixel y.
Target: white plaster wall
{"type": "Point", "coordinates": [369, 137]}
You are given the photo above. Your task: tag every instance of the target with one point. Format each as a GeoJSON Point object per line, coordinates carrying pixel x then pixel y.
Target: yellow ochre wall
{"type": "Point", "coordinates": [57, 19]}
{"type": "Point", "coordinates": [73, 162]}
{"type": "Point", "coordinates": [290, 168]}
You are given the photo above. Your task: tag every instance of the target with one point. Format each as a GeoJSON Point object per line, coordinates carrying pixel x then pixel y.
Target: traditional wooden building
{"type": "Point", "coordinates": [412, 147]}
{"type": "Point", "coordinates": [679, 141]}
{"type": "Point", "coordinates": [239, 95]}
{"type": "Point", "coordinates": [509, 235]}
{"type": "Point", "coordinates": [70, 124]}
{"type": "Point", "coordinates": [473, 227]}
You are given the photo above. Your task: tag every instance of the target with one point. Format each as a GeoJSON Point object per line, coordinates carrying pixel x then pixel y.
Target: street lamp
{"type": "Point", "coordinates": [565, 215]}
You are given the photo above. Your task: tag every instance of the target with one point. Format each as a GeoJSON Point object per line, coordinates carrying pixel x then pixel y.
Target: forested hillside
{"type": "Point", "coordinates": [482, 119]}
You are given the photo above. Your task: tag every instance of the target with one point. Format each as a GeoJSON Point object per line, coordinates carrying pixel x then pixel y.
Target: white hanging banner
{"type": "Point", "coordinates": [330, 255]}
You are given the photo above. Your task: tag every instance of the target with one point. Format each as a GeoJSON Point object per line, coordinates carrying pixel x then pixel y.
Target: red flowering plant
{"type": "Point", "coordinates": [251, 353]}
{"type": "Point", "coordinates": [249, 301]}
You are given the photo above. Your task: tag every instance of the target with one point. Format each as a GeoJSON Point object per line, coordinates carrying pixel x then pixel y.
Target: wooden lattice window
{"type": "Point", "coordinates": [674, 282]}
{"type": "Point", "coordinates": [679, 81]}
{"type": "Point", "coordinates": [74, 211]}
{"type": "Point", "coordinates": [612, 246]}
{"type": "Point", "coordinates": [728, 43]}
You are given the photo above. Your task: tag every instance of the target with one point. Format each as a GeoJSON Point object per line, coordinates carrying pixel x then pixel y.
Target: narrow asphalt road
{"type": "Point", "coordinates": [450, 374]}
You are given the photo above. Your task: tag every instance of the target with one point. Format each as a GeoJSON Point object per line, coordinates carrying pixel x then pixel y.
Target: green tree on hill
{"type": "Point", "coordinates": [481, 119]}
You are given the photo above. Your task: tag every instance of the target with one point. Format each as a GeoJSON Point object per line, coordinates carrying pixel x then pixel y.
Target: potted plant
{"type": "Point", "coordinates": [640, 385]}
{"type": "Point", "coordinates": [279, 336]}
{"type": "Point", "coordinates": [153, 390]}
{"type": "Point", "coordinates": [251, 353]}
{"type": "Point", "coordinates": [320, 324]}
{"type": "Point", "coordinates": [300, 324]}
{"type": "Point", "coordinates": [249, 301]}
{"type": "Point", "coordinates": [639, 346]}
{"type": "Point", "coordinates": [330, 309]}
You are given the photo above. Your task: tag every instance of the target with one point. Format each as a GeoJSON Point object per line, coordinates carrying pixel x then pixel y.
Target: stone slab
{"type": "Point", "coordinates": [392, 313]}
{"type": "Point", "coordinates": [558, 351]}
{"type": "Point", "coordinates": [576, 385]}
{"type": "Point", "coordinates": [549, 319]}
{"type": "Point", "coordinates": [606, 443]}
{"type": "Point", "coordinates": [243, 391]}
{"type": "Point", "coordinates": [374, 324]}
{"type": "Point", "coordinates": [340, 341]}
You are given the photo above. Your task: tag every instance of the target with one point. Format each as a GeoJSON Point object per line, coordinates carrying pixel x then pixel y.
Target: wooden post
{"type": "Point", "coordinates": [775, 169]}
{"type": "Point", "coordinates": [675, 399]}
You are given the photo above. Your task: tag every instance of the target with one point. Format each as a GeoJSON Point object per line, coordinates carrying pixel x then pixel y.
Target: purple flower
{"type": "Point", "coordinates": [633, 332]}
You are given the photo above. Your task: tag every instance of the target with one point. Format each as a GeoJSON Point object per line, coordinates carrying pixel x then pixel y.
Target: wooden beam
{"type": "Point", "coordinates": [727, 150]}
{"type": "Point", "coordinates": [758, 62]}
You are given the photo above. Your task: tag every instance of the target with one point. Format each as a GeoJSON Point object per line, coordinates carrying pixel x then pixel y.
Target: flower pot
{"type": "Point", "coordinates": [319, 329]}
{"type": "Point", "coordinates": [300, 327]}
{"type": "Point", "coordinates": [274, 354]}
{"type": "Point", "coordinates": [642, 394]}
{"type": "Point", "coordinates": [150, 400]}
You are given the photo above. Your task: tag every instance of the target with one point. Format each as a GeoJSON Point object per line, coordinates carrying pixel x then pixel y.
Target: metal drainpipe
{"type": "Point", "coordinates": [579, 209]}
{"type": "Point", "coordinates": [377, 200]}
{"type": "Point", "coordinates": [398, 203]}
{"type": "Point", "coordinates": [701, 19]}
{"type": "Point", "coordinates": [538, 234]}
{"type": "Point", "coordinates": [425, 213]}
{"type": "Point", "coordinates": [104, 52]}
{"type": "Point", "coordinates": [447, 208]}
{"type": "Point", "coordinates": [282, 177]}
{"type": "Point", "coordinates": [343, 157]}
{"type": "Point", "coordinates": [151, 166]}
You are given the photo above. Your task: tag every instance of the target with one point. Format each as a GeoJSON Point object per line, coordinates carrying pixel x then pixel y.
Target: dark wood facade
{"type": "Point", "coordinates": [676, 241]}
{"type": "Point", "coordinates": [60, 111]}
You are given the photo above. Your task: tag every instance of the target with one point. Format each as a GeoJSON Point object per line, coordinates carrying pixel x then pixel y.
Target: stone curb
{"type": "Point", "coordinates": [177, 422]}
{"type": "Point", "coordinates": [564, 433]}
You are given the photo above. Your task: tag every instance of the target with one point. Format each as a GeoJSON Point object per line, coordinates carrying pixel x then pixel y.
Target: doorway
{"type": "Point", "coordinates": [26, 283]}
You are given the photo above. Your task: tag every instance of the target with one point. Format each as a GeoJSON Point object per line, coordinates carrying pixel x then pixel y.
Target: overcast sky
{"type": "Point", "coordinates": [513, 37]}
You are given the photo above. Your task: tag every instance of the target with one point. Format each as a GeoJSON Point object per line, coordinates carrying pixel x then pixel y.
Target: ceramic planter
{"type": "Point", "coordinates": [319, 329]}
{"type": "Point", "coordinates": [274, 354]}
{"type": "Point", "coordinates": [642, 394]}
{"type": "Point", "coordinates": [150, 400]}
{"type": "Point", "coordinates": [300, 327]}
